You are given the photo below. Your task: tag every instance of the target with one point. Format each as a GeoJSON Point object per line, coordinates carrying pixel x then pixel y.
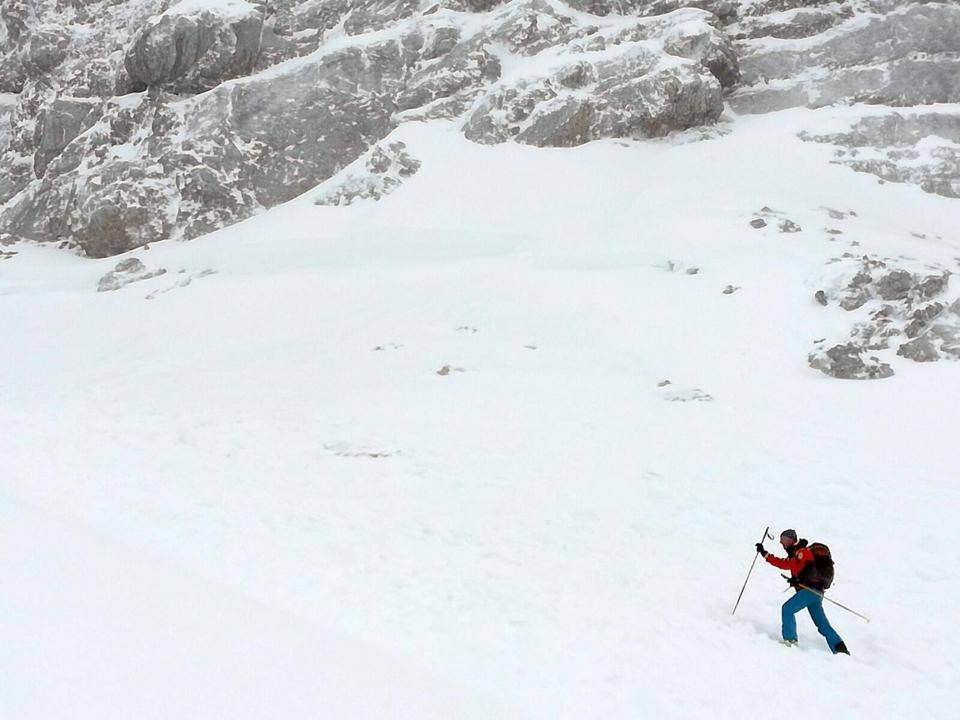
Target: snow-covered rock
{"type": "Point", "coordinates": [195, 45]}
{"type": "Point", "coordinates": [153, 119]}
{"type": "Point", "coordinates": [894, 52]}
{"type": "Point", "coordinates": [849, 362]}
{"type": "Point", "coordinates": [110, 174]}
{"type": "Point", "coordinates": [922, 148]}
{"type": "Point", "coordinates": [917, 313]}
{"type": "Point", "coordinates": [58, 123]}
{"type": "Point", "coordinates": [127, 271]}
{"type": "Point", "coordinates": [378, 173]}
{"type": "Point", "coordinates": [628, 97]}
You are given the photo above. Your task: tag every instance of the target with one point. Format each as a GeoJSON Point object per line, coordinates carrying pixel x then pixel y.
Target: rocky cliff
{"type": "Point", "coordinates": [141, 121]}
{"type": "Point", "coordinates": [123, 123]}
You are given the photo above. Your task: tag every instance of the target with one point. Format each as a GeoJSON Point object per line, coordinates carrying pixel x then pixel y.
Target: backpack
{"type": "Point", "coordinates": [820, 571]}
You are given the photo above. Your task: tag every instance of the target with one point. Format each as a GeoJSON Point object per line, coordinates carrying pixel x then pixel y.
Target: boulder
{"type": "Point", "coordinates": [847, 362]}
{"type": "Point", "coordinates": [920, 349]}
{"type": "Point", "coordinates": [708, 46]}
{"type": "Point", "coordinates": [194, 46]}
{"type": "Point", "coordinates": [895, 285]}
{"type": "Point", "coordinates": [127, 271]}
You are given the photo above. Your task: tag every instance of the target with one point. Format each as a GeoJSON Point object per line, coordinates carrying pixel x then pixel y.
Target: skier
{"type": "Point", "coordinates": [799, 562]}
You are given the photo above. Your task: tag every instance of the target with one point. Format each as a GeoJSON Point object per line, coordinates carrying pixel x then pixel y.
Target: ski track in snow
{"type": "Point", "coordinates": [543, 527]}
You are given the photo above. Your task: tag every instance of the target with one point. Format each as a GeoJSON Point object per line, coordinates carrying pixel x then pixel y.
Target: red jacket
{"type": "Point", "coordinates": [793, 564]}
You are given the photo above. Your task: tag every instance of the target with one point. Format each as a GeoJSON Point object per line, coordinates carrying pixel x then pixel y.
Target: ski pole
{"type": "Point", "coordinates": [824, 597]}
{"type": "Point", "coordinates": [766, 534]}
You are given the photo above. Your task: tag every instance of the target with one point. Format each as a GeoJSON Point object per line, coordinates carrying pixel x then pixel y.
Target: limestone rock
{"type": "Point", "coordinates": [193, 47]}
{"type": "Point", "coordinates": [920, 349]}
{"type": "Point", "coordinates": [58, 124]}
{"type": "Point", "coordinates": [627, 97]}
{"type": "Point", "coordinates": [903, 55]}
{"type": "Point", "coordinates": [895, 285]}
{"type": "Point", "coordinates": [378, 173]}
{"type": "Point", "coordinates": [126, 271]}
{"type": "Point", "coordinates": [916, 147]}
{"type": "Point", "coordinates": [45, 49]}
{"type": "Point", "coordinates": [931, 327]}
{"type": "Point", "coordinates": [135, 122]}
{"type": "Point", "coordinates": [847, 362]}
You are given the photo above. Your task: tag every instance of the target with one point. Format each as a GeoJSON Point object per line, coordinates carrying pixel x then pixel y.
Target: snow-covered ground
{"type": "Point", "coordinates": [95, 629]}
{"type": "Point", "coordinates": [271, 450]}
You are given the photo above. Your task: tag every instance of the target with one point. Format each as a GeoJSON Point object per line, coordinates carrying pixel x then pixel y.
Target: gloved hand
{"type": "Point", "coordinates": [794, 582]}
{"type": "Point", "coordinates": [761, 550]}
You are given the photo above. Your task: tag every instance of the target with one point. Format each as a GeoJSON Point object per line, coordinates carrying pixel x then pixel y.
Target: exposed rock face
{"type": "Point", "coordinates": [722, 8]}
{"type": "Point", "coordinates": [58, 124]}
{"type": "Point", "coordinates": [7, 107]}
{"type": "Point", "coordinates": [550, 113]}
{"type": "Point", "coordinates": [612, 82]}
{"type": "Point", "coordinates": [194, 47]}
{"type": "Point", "coordinates": [922, 148]}
{"type": "Point", "coordinates": [882, 52]}
{"type": "Point", "coordinates": [193, 153]}
{"type": "Point", "coordinates": [132, 122]}
{"type": "Point", "coordinates": [912, 312]}
{"type": "Point", "coordinates": [378, 173]}
{"type": "Point", "coordinates": [894, 52]}
{"type": "Point", "coordinates": [44, 50]}
{"type": "Point", "coordinates": [152, 168]}
{"type": "Point", "coordinates": [446, 88]}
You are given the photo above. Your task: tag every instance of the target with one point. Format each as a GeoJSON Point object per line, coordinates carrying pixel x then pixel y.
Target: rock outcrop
{"type": "Point", "coordinates": [803, 52]}
{"type": "Point", "coordinates": [850, 362]}
{"type": "Point", "coordinates": [126, 272]}
{"type": "Point", "coordinates": [922, 148]}
{"type": "Point", "coordinates": [378, 173]}
{"type": "Point", "coordinates": [917, 314]}
{"type": "Point", "coordinates": [126, 123]}
{"type": "Point", "coordinates": [180, 125]}
{"type": "Point", "coordinates": [194, 46]}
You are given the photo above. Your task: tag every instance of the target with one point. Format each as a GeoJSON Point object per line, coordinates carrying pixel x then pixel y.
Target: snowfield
{"type": "Point", "coordinates": [414, 458]}
{"type": "Point", "coordinates": [93, 629]}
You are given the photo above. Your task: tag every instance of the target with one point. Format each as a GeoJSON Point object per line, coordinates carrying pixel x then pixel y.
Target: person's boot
{"type": "Point", "coordinates": [789, 643]}
{"type": "Point", "coordinates": [841, 648]}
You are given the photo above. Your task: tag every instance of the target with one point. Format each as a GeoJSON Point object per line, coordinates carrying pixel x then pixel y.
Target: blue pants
{"type": "Point", "coordinates": [814, 605]}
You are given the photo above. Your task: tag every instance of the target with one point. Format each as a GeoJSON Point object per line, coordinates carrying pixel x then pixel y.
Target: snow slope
{"type": "Point", "coordinates": [541, 523]}
{"type": "Point", "coordinates": [94, 629]}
